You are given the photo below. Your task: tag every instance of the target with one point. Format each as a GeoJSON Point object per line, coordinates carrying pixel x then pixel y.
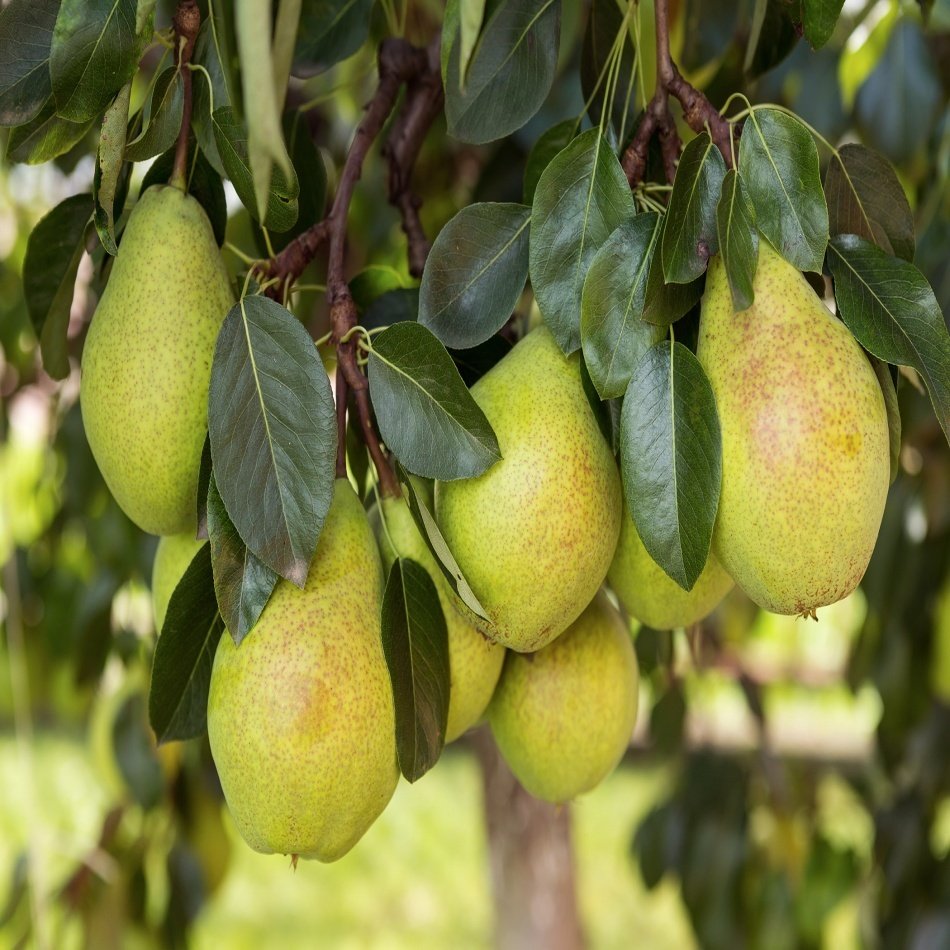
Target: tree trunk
{"type": "Point", "coordinates": [532, 861]}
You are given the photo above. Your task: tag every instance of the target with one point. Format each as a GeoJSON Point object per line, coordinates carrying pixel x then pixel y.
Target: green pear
{"type": "Point", "coordinates": [474, 662]}
{"type": "Point", "coordinates": [535, 534]}
{"type": "Point", "coordinates": [563, 717]}
{"type": "Point", "coordinates": [650, 595]}
{"type": "Point", "coordinates": [146, 363]}
{"type": "Point", "coordinates": [300, 716]}
{"type": "Point", "coordinates": [805, 459]}
{"type": "Point", "coordinates": [172, 557]}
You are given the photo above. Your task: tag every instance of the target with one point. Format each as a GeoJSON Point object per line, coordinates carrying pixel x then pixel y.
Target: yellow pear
{"type": "Point", "coordinates": [300, 715]}
{"type": "Point", "coordinates": [650, 595]}
{"type": "Point", "coordinates": [474, 662]}
{"type": "Point", "coordinates": [563, 717]}
{"type": "Point", "coordinates": [535, 534]}
{"type": "Point", "coordinates": [805, 461]}
{"type": "Point", "coordinates": [146, 363]}
{"type": "Point", "coordinates": [172, 557]}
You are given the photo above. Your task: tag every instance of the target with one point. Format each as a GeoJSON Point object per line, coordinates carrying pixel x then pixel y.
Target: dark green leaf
{"type": "Point", "coordinates": [613, 332]}
{"type": "Point", "coordinates": [582, 197]}
{"type": "Point", "coordinates": [93, 54]}
{"type": "Point", "coordinates": [689, 235]}
{"type": "Point", "coordinates": [26, 32]}
{"type": "Point", "coordinates": [603, 23]}
{"type": "Point", "coordinates": [272, 424]}
{"type": "Point", "coordinates": [819, 18]}
{"type": "Point", "coordinates": [44, 137]}
{"type": "Point", "coordinates": [184, 654]}
{"type": "Point", "coordinates": [778, 162]}
{"type": "Point", "coordinates": [738, 239]}
{"type": "Point", "coordinates": [162, 118]}
{"type": "Point", "coordinates": [476, 361]}
{"type": "Point", "coordinates": [866, 198]}
{"type": "Point", "coordinates": [204, 485]}
{"type": "Point", "coordinates": [889, 391]}
{"type": "Point", "coordinates": [209, 53]}
{"type": "Point", "coordinates": [415, 641]}
{"type": "Point", "coordinates": [53, 252]}
{"type": "Point", "coordinates": [134, 753]}
{"type": "Point", "coordinates": [394, 306]}
{"type": "Point", "coordinates": [242, 582]}
{"type": "Point", "coordinates": [475, 273]}
{"type": "Point", "coordinates": [110, 158]}
{"type": "Point", "coordinates": [666, 303]}
{"type": "Point", "coordinates": [509, 74]}
{"type": "Point", "coordinates": [330, 31]}
{"type": "Point", "coordinates": [671, 459]}
{"type": "Point", "coordinates": [891, 309]}
{"type": "Point", "coordinates": [374, 281]}
{"type": "Point", "coordinates": [556, 139]}
{"type": "Point", "coordinates": [426, 414]}
{"type": "Point", "coordinates": [709, 28]}
{"type": "Point", "coordinates": [772, 36]}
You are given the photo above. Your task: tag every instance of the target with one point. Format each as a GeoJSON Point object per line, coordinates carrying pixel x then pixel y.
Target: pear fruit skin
{"type": "Point", "coordinates": [535, 534]}
{"type": "Point", "coordinates": [563, 717]}
{"type": "Point", "coordinates": [474, 661]}
{"type": "Point", "coordinates": [300, 716]}
{"type": "Point", "coordinates": [172, 557]}
{"type": "Point", "coordinates": [805, 459]}
{"type": "Point", "coordinates": [146, 363]}
{"type": "Point", "coordinates": [650, 595]}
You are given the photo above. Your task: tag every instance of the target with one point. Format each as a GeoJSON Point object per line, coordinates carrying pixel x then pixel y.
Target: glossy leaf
{"type": "Point", "coordinates": [819, 18]}
{"type": "Point", "coordinates": [738, 239]}
{"type": "Point", "coordinates": [204, 485]}
{"type": "Point", "coordinates": [666, 303]}
{"type": "Point", "coordinates": [556, 138]}
{"type": "Point", "coordinates": [26, 34]}
{"type": "Point", "coordinates": [671, 459]}
{"type": "Point", "coordinates": [778, 162]}
{"type": "Point", "coordinates": [689, 235]}
{"type": "Point", "coordinates": [211, 91]}
{"type": "Point", "coordinates": [272, 424]}
{"type": "Point", "coordinates": [426, 414]}
{"type": "Point", "coordinates": [184, 654]}
{"type": "Point", "coordinates": [892, 311]}
{"type": "Point", "coordinates": [331, 31]}
{"type": "Point", "coordinates": [44, 137]}
{"type": "Point", "coordinates": [581, 198]}
{"type": "Point", "coordinates": [475, 273]}
{"type": "Point", "coordinates": [613, 332]}
{"type": "Point", "coordinates": [110, 157]}
{"type": "Point", "coordinates": [162, 118]}
{"type": "Point", "coordinates": [415, 641]}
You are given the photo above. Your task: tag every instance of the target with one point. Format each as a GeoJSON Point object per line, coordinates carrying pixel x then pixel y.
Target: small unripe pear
{"type": "Point", "coordinates": [172, 557]}
{"type": "Point", "coordinates": [563, 717]}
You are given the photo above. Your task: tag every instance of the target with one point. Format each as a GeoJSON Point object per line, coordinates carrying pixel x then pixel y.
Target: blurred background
{"type": "Point", "coordinates": [788, 784]}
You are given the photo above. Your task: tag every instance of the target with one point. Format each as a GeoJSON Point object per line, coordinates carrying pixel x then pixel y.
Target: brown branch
{"type": "Point", "coordinates": [186, 21]}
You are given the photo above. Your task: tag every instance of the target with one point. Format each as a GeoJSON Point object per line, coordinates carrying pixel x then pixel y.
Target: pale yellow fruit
{"type": "Point", "coordinates": [146, 363]}
{"type": "Point", "coordinates": [535, 534]}
{"type": "Point", "coordinates": [300, 716]}
{"type": "Point", "coordinates": [172, 557]}
{"type": "Point", "coordinates": [805, 459]}
{"type": "Point", "coordinates": [563, 717]}
{"type": "Point", "coordinates": [650, 595]}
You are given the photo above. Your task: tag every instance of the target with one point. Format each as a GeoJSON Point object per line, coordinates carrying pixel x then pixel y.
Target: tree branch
{"type": "Point", "coordinates": [186, 21]}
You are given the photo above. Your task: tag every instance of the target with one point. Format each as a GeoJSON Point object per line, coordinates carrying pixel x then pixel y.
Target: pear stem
{"type": "Point", "coordinates": [186, 21]}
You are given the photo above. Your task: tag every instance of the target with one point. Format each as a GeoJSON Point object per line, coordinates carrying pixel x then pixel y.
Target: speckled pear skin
{"type": "Point", "coordinates": [474, 661]}
{"type": "Point", "coordinates": [535, 534]}
{"type": "Point", "coordinates": [804, 440]}
{"type": "Point", "coordinates": [146, 363]}
{"type": "Point", "coordinates": [300, 716]}
{"type": "Point", "coordinates": [647, 592]}
{"type": "Point", "coordinates": [563, 717]}
{"type": "Point", "coordinates": [172, 557]}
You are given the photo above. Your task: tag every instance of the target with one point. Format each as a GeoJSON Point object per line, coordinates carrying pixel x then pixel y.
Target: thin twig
{"type": "Point", "coordinates": [186, 21]}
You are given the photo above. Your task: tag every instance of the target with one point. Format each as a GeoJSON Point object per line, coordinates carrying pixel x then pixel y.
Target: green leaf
{"type": "Point", "coordinates": [429, 530]}
{"type": "Point", "coordinates": [26, 33]}
{"type": "Point", "coordinates": [671, 459]}
{"type": "Point", "coordinates": [209, 96]}
{"type": "Point", "coordinates": [471, 17]}
{"type": "Point", "coordinates": [135, 755]}
{"type": "Point", "coordinates": [109, 166]}
{"type": "Point", "coordinates": [556, 138]}
{"type": "Point", "coordinates": [415, 641]}
{"type": "Point", "coordinates": [689, 235]}
{"type": "Point", "coordinates": [866, 198]}
{"type": "Point", "coordinates": [509, 74]}
{"type": "Point", "coordinates": [474, 362]}
{"type": "Point", "coordinates": [231, 140]}
{"type": "Point", "coordinates": [819, 18]}
{"type": "Point", "coordinates": [162, 120]}
{"type": "Point", "coordinates": [53, 251]}
{"type": "Point", "coordinates": [582, 197]}
{"type": "Point", "coordinates": [613, 332]}
{"type": "Point", "coordinates": [331, 31]}
{"type": "Point", "coordinates": [778, 162]}
{"type": "Point", "coordinates": [184, 654]}
{"type": "Point", "coordinates": [394, 306]}
{"type": "Point", "coordinates": [426, 415]}
{"type": "Point", "coordinates": [772, 36]}
{"type": "Point", "coordinates": [204, 485]}
{"type": "Point", "coordinates": [738, 239]}
{"type": "Point", "coordinates": [889, 391]}
{"type": "Point", "coordinates": [272, 424]}
{"type": "Point", "coordinates": [666, 303]}
{"type": "Point", "coordinates": [44, 137]}
{"type": "Point", "coordinates": [475, 273]}
{"type": "Point", "coordinates": [604, 21]}
{"type": "Point", "coordinates": [891, 309]}
{"type": "Point", "coordinates": [242, 582]}
{"type": "Point", "coordinates": [94, 53]}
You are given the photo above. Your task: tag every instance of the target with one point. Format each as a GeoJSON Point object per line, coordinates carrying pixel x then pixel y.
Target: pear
{"type": "Point", "coordinates": [172, 557]}
{"type": "Point", "coordinates": [563, 717]}
{"type": "Point", "coordinates": [535, 534]}
{"type": "Point", "coordinates": [474, 662]}
{"type": "Point", "coordinates": [300, 716]}
{"type": "Point", "coordinates": [146, 363]}
{"type": "Point", "coordinates": [805, 459]}
{"type": "Point", "coordinates": [650, 595]}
